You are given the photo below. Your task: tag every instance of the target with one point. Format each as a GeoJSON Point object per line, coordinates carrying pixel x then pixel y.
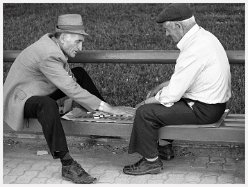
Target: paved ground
{"type": "Point", "coordinates": [105, 160]}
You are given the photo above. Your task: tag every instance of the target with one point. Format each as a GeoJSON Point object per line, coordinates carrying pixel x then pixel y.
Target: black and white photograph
{"type": "Point", "coordinates": [123, 92]}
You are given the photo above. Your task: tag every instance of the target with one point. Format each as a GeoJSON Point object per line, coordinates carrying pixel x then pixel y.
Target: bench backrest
{"type": "Point", "coordinates": [130, 56]}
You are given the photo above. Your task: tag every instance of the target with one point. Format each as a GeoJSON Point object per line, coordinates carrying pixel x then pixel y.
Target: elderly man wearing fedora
{"type": "Point", "coordinates": [196, 93]}
{"type": "Point", "coordinates": [39, 76]}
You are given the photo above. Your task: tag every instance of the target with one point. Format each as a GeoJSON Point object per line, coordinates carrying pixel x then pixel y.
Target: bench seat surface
{"type": "Point", "coordinates": [232, 129]}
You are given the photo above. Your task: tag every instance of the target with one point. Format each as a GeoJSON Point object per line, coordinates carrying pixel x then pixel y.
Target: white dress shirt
{"type": "Point", "coordinates": [202, 71]}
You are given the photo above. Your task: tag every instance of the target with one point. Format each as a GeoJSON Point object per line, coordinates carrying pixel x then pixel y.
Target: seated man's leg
{"type": "Point", "coordinates": [57, 94]}
{"type": "Point", "coordinates": [84, 80]}
{"type": "Point", "coordinates": [144, 138]}
{"type": "Point", "coordinates": [165, 149]}
{"type": "Point", "coordinates": [45, 109]}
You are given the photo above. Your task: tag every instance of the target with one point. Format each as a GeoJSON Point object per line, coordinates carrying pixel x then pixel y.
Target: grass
{"type": "Point", "coordinates": [128, 27]}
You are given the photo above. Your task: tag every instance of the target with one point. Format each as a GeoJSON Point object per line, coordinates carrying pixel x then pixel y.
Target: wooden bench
{"type": "Point", "coordinates": [232, 129]}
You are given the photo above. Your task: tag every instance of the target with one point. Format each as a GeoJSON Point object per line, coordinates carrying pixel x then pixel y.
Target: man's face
{"type": "Point", "coordinates": [71, 43]}
{"type": "Point", "coordinates": [174, 30]}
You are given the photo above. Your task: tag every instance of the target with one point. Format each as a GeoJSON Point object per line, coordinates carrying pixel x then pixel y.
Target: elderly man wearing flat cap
{"type": "Point", "coordinates": [196, 93]}
{"type": "Point", "coordinates": [39, 76]}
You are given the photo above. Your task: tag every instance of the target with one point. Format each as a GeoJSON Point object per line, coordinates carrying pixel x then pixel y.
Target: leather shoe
{"type": "Point", "coordinates": [76, 174]}
{"type": "Point", "coordinates": [143, 167]}
{"type": "Point", "coordinates": [166, 152]}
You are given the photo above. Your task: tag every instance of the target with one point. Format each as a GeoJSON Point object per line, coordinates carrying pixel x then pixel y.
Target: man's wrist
{"type": "Point", "coordinates": [101, 107]}
{"type": "Point", "coordinates": [105, 107]}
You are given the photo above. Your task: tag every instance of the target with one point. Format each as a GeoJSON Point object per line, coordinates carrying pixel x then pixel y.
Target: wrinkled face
{"type": "Point", "coordinates": [174, 30]}
{"type": "Point", "coordinates": [71, 44]}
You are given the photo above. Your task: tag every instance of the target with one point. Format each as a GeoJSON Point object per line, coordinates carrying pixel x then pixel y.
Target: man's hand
{"type": "Point", "coordinates": [117, 110]}
{"type": "Point", "coordinates": [152, 93]}
{"type": "Point", "coordinates": [155, 90]}
{"type": "Point", "coordinates": [147, 101]}
{"type": "Point", "coordinates": [140, 104]}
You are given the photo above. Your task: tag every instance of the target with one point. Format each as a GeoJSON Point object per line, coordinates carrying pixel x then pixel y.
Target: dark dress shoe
{"type": "Point", "coordinates": [76, 174]}
{"type": "Point", "coordinates": [166, 152]}
{"type": "Point", "coordinates": [143, 167]}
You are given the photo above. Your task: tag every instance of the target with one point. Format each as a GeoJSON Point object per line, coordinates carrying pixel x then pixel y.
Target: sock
{"type": "Point", "coordinates": [65, 158]}
{"type": "Point", "coordinates": [151, 159]}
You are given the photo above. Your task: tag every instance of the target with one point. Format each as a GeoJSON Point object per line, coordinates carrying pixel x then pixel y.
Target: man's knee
{"type": "Point", "coordinates": [145, 110]}
{"type": "Point", "coordinates": [145, 117]}
{"type": "Point", "coordinates": [78, 71]}
{"type": "Point", "coordinates": [48, 105]}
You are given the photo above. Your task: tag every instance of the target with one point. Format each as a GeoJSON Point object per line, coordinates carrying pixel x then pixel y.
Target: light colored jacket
{"type": "Point", "coordinates": [39, 70]}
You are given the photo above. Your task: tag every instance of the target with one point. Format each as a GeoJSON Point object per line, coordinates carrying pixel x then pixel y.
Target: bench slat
{"type": "Point", "coordinates": [234, 120]}
{"type": "Point", "coordinates": [236, 116]}
{"type": "Point", "coordinates": [234, 124]}
{"type": "Point", "coordinates": [130, 56]}
{"type": "Point", "coordinates": [222, 134]}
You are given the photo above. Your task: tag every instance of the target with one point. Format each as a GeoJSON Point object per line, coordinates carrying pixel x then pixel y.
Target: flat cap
{"type": "Point", "coordinates": [175, 12]}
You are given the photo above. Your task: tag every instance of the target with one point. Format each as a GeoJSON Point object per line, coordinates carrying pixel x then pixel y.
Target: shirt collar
{"type": "Point", "coordinates": [191, 32]}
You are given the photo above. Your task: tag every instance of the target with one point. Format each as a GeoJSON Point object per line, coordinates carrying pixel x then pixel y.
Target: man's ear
{"type": "Point", "coordinates": [178, 25]}
{"type": "Point", "coordinates": [62, 38]}
{"type": "Point", "coordinates": [180, 28]}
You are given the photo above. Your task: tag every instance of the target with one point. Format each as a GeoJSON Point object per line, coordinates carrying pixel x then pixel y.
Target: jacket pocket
{"type": "Point", "coordinates": [20, 94]}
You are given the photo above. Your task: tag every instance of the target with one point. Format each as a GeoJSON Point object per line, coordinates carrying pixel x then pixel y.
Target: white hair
{"type": "Point", "coordinates": [186, 24]}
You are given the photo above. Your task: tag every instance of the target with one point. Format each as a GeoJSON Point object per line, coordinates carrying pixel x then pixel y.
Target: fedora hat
{"type": "Point", "coordinates": [70, 23]}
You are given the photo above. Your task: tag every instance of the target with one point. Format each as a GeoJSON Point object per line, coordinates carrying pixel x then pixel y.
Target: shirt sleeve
{"type": "Point", "coordinates": [52, 68]}
{"type": "Point", "coordinates": [186, 71]}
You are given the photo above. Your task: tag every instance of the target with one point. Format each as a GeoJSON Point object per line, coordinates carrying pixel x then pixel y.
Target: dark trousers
{"type": "Point", "coordinates": [46, 110]}
{"type": "Point", "coordinates": [150, 117]}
